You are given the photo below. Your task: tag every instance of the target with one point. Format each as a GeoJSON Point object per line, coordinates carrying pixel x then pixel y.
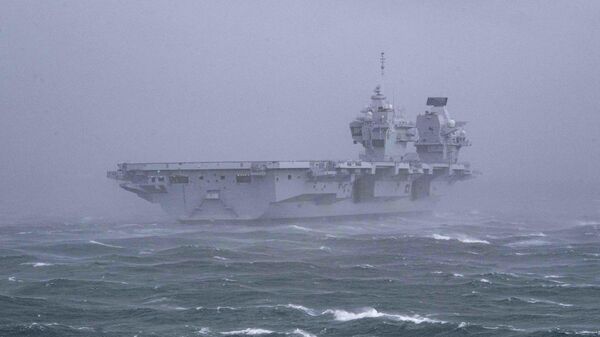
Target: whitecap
{"type": "Point", "coordinates": [44, 325]}
{"type": "Point", "coordinates": [226, 307]}
{"type": "Point", "coordinates": [177, 308]}
{"type": "Point", "coordinates": [301, 228]}
{"type": "Point", "coordinates": [526, 243]}
{"type": "Point", "coordinates": [157, 300]}
{"type": "Point", "coordinates": [248, 331]}
{"type": "Point", "coordinates": [462, 325]}
{"type": "Point", "coordinates": [441, 237]}
{"type": "Point", "coordinates": [104, 244]}
{"type": "Point", "coordinates": [304, 309]}
{"type": "Point", "coordinates": [466, 239]}
{"type": "Point", "coordinates": [484, 280]}
{"type": "Point", "coordinates": [458, 275]}
{"type": "Point", "coordinates": [461, 238]}
{"type": "Point", "coordinates": [38, 264]}
{"type": "Point", "coordinates": [12, 279]}
{"type": "Point", "coordinates": [303, 333]}
{"type": "Point", "coordinates": [508, 327]}
{"type": "Point", "coordinates": [344, 316]}
{"type": "Point", "coordinates": [365, 266]}
{"type": "Point", "coordinates": [586, 332]}
{"type": "Point", "coordinates": [203, 331]}
{"type": "Point", "coordinates": [552, 276]}
{"type": "Point", "coordinates": [220, 258]}
{"type": "Point", "coordinates": [534, 300]}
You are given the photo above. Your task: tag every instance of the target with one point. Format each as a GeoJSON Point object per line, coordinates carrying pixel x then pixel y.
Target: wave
{"type": "Point", "coordinates": [461, 238]}
{"type": "Point", "coordinates": [248, 332]}
{"type": "Point", "coordinates": [441, 237]}
{"type": "Point", "coordinates": [104, 244]}
{"type": "Point", "coordinates": [303, 333]}
{"type": "Point", "coordinates": [470, 240]}
{"type": "Point", "coordinates": [528, 243]}
{"type": "Point", "coordinates": [38, 264]}
{"type": "Point", "coordinates": [588, 333]}
{"type": "Point", "coordinates": [203, 331]}
{"type": "Point", "coordinates": [308, 311]}
{"type": "Point", "coordinates": [258, 331]}
{"type": "Point", "coordinates": [574, 332]}
{"type": "Point", "coordinates": [534, 301]}
{"type": "Point", "coordinates": [344, 316]}
{"type": "Point", "coordinates": [45, 326]}
{"type": "Point", "coordinates": [365, 266]}
{"type": "Point", "coordinates": [553, 276]}
{"type": "Point", "coordinates": [302, 228]}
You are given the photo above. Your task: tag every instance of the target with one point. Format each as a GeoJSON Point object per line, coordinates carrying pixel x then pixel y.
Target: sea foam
{"type": "Point", "coordinates": [104, 244]}
{"type": "Point", "coordinates": [248, 331]}
{"type": "Point", "coordinates": [344, 316]}
{"type": "Point", "coordinates": [461, 238]}
{"type": "Point", "coordinates": [38, 264]}
{"type": "Point", "coordinates": [303, 333]}
{"type": "Point", "coordinates": [304, 309]}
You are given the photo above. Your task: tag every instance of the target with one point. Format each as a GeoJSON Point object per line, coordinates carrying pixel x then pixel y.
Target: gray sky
{"type": "Point", "coordinates": [87, 84]}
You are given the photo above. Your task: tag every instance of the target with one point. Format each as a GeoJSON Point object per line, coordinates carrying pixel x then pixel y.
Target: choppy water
{"type": "Point", "coordinates": [440, 275]}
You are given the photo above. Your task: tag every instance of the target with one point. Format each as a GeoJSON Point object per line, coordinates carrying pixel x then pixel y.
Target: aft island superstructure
{"type": "Point", "coordinates": [400, 165]}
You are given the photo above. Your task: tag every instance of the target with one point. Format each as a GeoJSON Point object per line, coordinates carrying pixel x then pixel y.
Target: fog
{"type": "Point", "coordinates": [88, 84]}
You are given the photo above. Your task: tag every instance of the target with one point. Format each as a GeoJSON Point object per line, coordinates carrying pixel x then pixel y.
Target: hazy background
{"type": "Point", "coordinates": [87, 84]}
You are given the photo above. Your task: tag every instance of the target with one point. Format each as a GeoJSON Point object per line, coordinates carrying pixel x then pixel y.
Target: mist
{"type": "Point", "coordinates": [88, 84]}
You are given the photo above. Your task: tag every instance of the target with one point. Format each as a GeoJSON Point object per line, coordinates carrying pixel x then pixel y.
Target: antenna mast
{"type": "Point", "coordinates": [382, 59]}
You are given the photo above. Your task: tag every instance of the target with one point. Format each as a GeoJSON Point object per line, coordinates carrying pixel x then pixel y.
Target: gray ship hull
{"type": "Point", "coordinates": [246, 191]}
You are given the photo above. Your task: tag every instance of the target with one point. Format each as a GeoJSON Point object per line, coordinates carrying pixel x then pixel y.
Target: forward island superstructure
{"type": "Point", "coordinates": [400, 165]}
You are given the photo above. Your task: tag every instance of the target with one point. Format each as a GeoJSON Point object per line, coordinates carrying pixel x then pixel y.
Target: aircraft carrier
{"type": "Point", "coordinates": [403, 167]}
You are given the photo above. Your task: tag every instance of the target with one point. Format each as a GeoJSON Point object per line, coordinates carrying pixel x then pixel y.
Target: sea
{"type": "Point", "coordinates": [467, 273]}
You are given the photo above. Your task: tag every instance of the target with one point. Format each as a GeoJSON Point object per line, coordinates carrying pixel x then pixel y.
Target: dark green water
{"type": "Point", "coordinates": [439, 275]}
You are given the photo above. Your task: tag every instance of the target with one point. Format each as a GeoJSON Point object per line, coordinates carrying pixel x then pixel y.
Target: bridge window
{"type": "Point", "coordinates": [222, 177]}
{"type": "Point", "coordinates": [356, 131]}
{"type": "Point", "coordinates": [179, 179]}
{"type": "Point", "coordinates": [243, 178]}
{"type": "Point", "coordinates": [377, 142]}
{"type": "Point", "coordinates": [289, 177]}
